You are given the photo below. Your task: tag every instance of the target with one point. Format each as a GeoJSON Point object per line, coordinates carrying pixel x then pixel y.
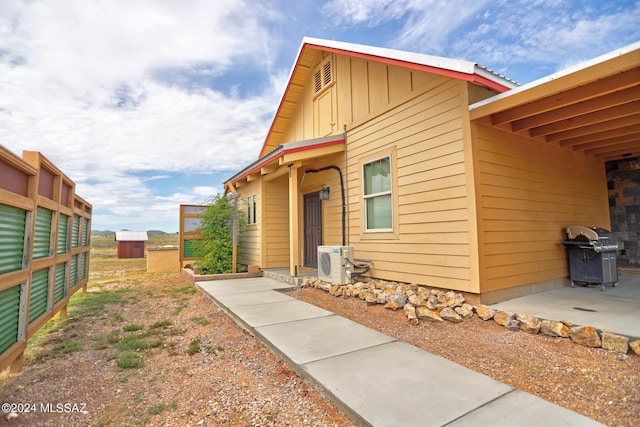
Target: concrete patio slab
{"type": "Point", "coordinates": [318, 338]}
{"type": "Point", "coordinates": [616, 310]}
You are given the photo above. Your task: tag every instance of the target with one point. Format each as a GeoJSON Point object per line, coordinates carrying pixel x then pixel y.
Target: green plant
{"type": "Point", "coordinates": [183, 304]}
{"type": "Point", "coordinates": [157, 409]}
{"type": "Point", "coordinates": [117, 317]}
{"type": "Point", "coordinates": [132, 327]}
{"type": "Point", "coordinates": [184, 290]}
{"type": "Point", "coordinates": [215, 250]}
{"type": "Point", "coordinates": [200, 321]}
{"type": "Point", "coordinates": [132, 343]}
{"type": "Point", "coordinates": [194, 347]}
{"type": "Point", "coordinates": [66, 347]}
{"type": "Point", "coordinates": [164, 323]}
{"type": "Point", "coordinates": [129, 360]}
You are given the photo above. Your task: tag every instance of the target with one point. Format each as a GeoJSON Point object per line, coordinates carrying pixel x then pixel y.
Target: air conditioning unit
{"type": "Point", "coordinates": [335, 264]}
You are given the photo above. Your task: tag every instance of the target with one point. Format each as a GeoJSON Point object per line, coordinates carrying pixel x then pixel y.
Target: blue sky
{"type": "Point", "coordinates": [148, 104]}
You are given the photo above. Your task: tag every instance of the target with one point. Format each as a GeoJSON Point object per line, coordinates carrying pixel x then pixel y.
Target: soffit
{"type": "Point", "coordinates": [593, 108]}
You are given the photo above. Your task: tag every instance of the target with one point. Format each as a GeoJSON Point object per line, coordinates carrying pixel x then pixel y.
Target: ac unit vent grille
{"type": "Point", "coordinates": [334, 264]}
{"type": "Point", "coordinates": [324, 264]}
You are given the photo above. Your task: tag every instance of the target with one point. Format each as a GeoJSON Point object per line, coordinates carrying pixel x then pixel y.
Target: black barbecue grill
{"type": "Point", "coordinates": [592, 255]}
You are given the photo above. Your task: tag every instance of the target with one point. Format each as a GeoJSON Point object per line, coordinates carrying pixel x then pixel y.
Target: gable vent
{"type": "Point", "coordinates": [317, 79]}
{"type": "Point", "coordinates": [326, 73]}
{"type": "Point", "coordinates": [323, 76]}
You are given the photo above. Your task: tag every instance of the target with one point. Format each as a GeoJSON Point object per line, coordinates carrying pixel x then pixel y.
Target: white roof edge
{"type": "Point", "coordinates": [459, 65]}
{"type": "Point", "coordinates": [562, 73]}
{"type": "Point", "coordinates": [418, 58]}
{"type": "Point", "coordinates": [132, 236]}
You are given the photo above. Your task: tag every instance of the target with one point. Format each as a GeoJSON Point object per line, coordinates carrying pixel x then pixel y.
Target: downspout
{"type": "Point", "coordinates": [344, 205]}
{"type": "Point", "coordinates": [346, 163]}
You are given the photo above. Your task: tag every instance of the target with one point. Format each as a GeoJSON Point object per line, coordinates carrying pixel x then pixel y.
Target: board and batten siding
{"type": "Point", "coordinates": [528, 192]}
{"type": "Point", "coordinates": [276, 219]}
{"type": "Point", "coordinates": [431, 225]}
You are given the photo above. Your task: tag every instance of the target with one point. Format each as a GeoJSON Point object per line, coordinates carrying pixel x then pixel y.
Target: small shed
{"type": "Point", "coordinates": [131, 243]}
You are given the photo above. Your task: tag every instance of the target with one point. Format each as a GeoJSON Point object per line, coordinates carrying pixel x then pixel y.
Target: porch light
{"type": "Point", "coordinates": [324, 193]}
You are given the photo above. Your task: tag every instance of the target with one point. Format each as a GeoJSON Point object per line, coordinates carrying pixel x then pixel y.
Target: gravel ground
{"type": "Point", "coordinates": [600, 384]}
{"type": "Point", "coordinates": [231, 379]}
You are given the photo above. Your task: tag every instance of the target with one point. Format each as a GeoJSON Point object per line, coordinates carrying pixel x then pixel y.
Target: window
{"type": "Point", "coordinates": [254, 209]}
{"type": "Point", "coordinates": [252, 214]}
{"type": "Point", "coordinates": [249, 210]}
{"type": "Point", "coordinates": [377, 195]}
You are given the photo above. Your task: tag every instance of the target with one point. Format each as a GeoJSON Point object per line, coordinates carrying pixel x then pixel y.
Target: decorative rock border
{"type": "Point", "coordinates": [422, 303]}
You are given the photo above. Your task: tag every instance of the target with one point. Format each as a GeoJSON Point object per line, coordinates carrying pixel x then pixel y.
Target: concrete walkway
{"type": "Point", "coordinates": [372, 377]}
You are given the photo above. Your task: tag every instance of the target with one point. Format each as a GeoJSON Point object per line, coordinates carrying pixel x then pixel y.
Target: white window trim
{"type": "Point", "coordinates": [374, 195]}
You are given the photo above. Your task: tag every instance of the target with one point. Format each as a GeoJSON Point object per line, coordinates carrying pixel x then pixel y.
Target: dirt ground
{"type": "Point", "coordinates": [151, 350]}
{"type": "Point", "coordinates": [148, 349]}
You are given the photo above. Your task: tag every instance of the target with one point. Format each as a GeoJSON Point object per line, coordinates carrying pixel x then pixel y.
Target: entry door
{"type": "Point", "coordinates": [312, 229]}
{"type": "Point", "coordinates": [137, 250]}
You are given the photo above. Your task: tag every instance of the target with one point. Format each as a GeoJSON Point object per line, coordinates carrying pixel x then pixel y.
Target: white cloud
{"type": "Point", "coordinates": [367, 12]}
{"type": "Point", "coordinates": [86, 83]}
{"type": "Point", "coordinates": [543, 34]}
{"type": "Point", "coordinates": [107, 89]}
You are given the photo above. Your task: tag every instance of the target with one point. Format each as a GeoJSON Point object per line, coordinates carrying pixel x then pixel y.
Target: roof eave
{"type": "Point", "coordinates": [615, 61]}
{"type": "Point", "coordinates": [281, 151]}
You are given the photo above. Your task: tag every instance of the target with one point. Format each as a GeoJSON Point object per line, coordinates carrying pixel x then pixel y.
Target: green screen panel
{"type": "Point", "coordinates": [9, 317]}
{"type": "Point", "coordinates": [58, 291]}
{"type": "Point", "coordinates": [42, 235]}
{"type": "Point", "coordinates": [85, 232]}
{"type": "Point", "coordinates": [63, 234]}
{"type": "Point", "coordinates": [73, 274]}
{"type": "Point", "coordinates": [12, 226]}
{"type": "Point", "coordinates": [38, 293]}
{"type": "Point", "coordinates": [83, 266]}
{"type": "Point", "coordinates": [188, 249]}
{"type": "Point", "coordinates": [75, 232]}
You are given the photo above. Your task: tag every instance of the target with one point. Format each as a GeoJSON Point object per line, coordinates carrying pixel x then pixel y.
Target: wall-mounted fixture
{"type": "Point", "coordinates": [324, 193]}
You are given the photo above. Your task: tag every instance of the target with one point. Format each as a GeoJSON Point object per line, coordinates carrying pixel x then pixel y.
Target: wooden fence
{"type": "Point", "coordinates": [44, 248]}
{"type": "Point", "coordinates": [190, 224]}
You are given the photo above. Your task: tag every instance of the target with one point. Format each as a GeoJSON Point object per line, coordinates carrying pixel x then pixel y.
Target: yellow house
{"type": "Point", "coordinates": [437, 171]}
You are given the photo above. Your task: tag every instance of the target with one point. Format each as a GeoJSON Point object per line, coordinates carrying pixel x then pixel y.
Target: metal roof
{"type": "Point", "coordinates": [282, 149]}
{"type": "Point", "coordinates": [131, 236]}
{"type": "Point", "coordinates": [443, 63]}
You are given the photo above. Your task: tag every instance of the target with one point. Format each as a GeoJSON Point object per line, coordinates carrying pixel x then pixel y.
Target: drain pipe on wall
{"type": "Point", "coordinates": [346, 172]}
{"type": "Point", "coordinates": [344, 205]}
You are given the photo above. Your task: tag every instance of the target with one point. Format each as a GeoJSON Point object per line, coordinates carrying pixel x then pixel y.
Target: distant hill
{"type": "Point", "coordinates": [112, 233]}
{"type": "Point", "coordinates": [102, 233]}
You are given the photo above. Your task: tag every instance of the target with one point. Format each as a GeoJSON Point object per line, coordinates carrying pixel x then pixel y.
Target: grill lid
{"type": "Point", "coordinates": [590, 233]}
